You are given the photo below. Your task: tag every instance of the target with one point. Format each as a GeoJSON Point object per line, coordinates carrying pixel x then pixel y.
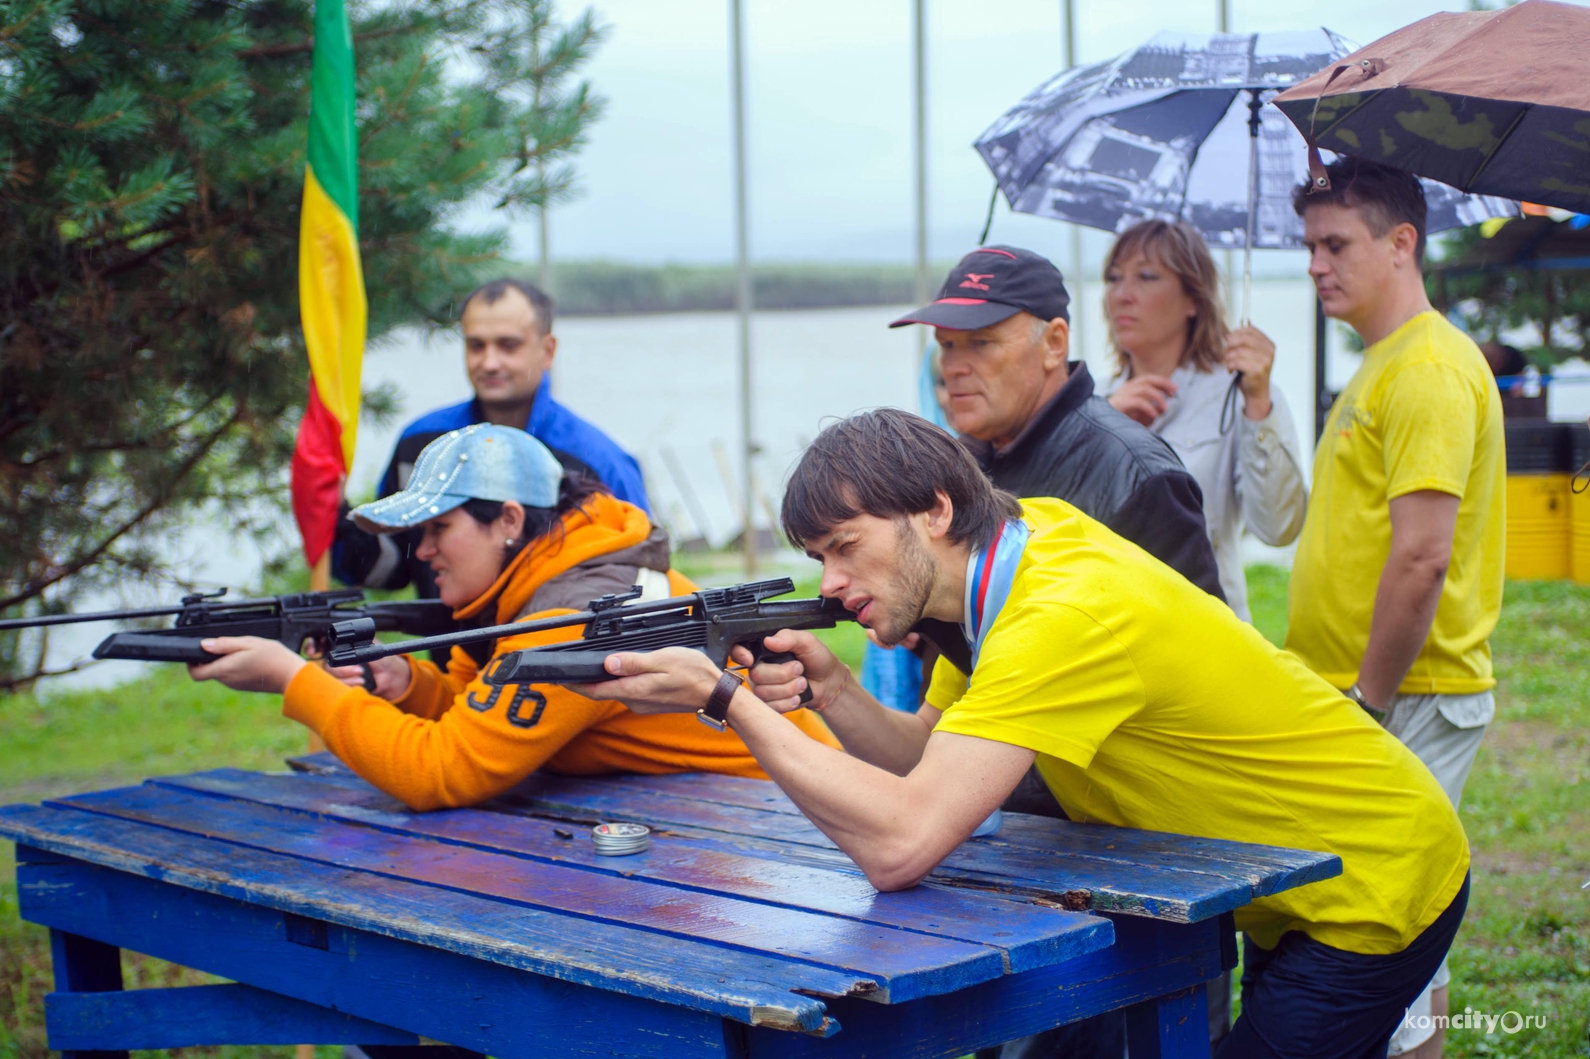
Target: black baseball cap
{"type": "Point", "coordinates": [994, 283]}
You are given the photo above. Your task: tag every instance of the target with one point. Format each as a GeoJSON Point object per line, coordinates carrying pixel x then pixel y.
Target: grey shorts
{"type": "Point", "coordinates": [1444, 732]}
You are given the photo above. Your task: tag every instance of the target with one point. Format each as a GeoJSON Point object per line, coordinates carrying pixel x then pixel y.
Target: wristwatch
{"type": "Point", "coordinates": [1357, 695]}
{"type": "Point", "coordinates": [715, 714]}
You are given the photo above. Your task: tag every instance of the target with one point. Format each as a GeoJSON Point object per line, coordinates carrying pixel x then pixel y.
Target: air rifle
{"type": "Point", "coordinates": [712, 621]}
{"type": "Point", "coordinates": [302, 621]}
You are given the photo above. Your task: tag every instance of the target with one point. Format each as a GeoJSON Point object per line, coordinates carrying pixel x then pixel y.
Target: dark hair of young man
{"type": "Point", "coordinates": [1385, 196]}
{"type": "Point", "coordinates": [493, 292]}
{"type": "Point", "coordinates": [890, 464]}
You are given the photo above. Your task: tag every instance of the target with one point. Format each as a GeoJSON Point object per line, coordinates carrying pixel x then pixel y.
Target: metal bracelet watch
{"type": "Point", "coordinates": [1357, 695]}
{"type": "Point", "coordinates": [715, 714]}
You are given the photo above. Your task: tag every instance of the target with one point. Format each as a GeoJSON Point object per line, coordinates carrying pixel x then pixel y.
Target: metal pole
{"type": "Point", "coordinates": [1224, 21]}
{"type": "Point", "coordinates": [924, 282]}
{"type": "Point", "coordinates": [545, 278]}
{"type": "Point", "coordinates": [1322, 397]}
{"type": "Point", "coordinates": [742, 277]}
{"type": "Point", "coordinates": [1255, 101]}
{"type": "Point", "coordinates": [1078, 311]}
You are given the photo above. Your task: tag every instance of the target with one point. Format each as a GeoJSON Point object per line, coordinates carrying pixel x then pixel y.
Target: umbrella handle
{"type": "Point", "coordinates": [1228, 407]}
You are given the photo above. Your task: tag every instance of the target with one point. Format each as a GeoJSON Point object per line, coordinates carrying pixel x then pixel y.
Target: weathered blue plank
{"type": "Point", "coordinates": [199, 1015]}
{"type": "Point", "coordinates": [702, 786]}
{"type": "Point", "coordinates": [1265, 869]}
{"type": "Point", "coordinates": [1029, 934]}
{"type": "Point", "coordinates": [699, 977]}
{"type": "Point", "coordinates": [1074, 881]}
{"type": "Point", "coordinates": [904, 964]}
{"type": "Point", "coordinates": [465, 1001]}
{"type": "Point", "coordinates": [88, 966]}
{"type": "Point", "coordinates": [1079, 881]}
{"type": "Point", "coordinates": [1149, 959]}
{"type": "Point", "coordinates": [1175, 1026]}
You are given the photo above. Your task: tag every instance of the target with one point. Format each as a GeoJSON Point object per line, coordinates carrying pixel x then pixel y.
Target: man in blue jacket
{"type": "Point", "coordinates": [508, 349]}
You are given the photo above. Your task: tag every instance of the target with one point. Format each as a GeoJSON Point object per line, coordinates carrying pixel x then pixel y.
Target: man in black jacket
{"type": "Point", "coordinates": [1031, 418]}
{"type": "Point", "coordinates": [1033, 421]}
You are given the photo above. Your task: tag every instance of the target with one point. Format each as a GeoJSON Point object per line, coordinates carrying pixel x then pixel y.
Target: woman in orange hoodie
{"type": "Point", "coordinates": [510, 536]}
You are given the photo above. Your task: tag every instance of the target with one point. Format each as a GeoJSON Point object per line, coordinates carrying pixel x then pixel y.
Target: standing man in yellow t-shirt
{"type": "Point", "coordinates": [1398, 577]}
{"type": "Point", "coordinates": [1143, 700]}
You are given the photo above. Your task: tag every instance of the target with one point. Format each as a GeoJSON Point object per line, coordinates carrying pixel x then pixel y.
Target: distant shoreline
{"type": "Point", "coordinates": [599, 287]}
{"type": "Point", "coordinates": [611, 288]}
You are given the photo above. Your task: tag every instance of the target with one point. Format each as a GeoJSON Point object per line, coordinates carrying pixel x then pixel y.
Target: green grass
{"type": "Point", "coordinates": [1525, 945]}
{"type": "Point", "coordinates": [1267, 601]}
{"type": "Point", "coordinates": [162, 724]}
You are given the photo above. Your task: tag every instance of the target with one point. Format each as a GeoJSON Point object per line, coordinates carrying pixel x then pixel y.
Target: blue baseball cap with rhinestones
{"type": "Point", "coordinates": [480, 462]}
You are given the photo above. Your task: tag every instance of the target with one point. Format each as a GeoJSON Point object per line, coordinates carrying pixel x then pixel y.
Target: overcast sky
{"type": "Point", "coordinates": [829, 117]}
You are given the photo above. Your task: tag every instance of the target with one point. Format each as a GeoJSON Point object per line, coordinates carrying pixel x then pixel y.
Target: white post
{"type": "Point", "coordinates": [545, 279]}
{"type": "Point", "coordinates": [924, 282]}
{"type": "Point", "coordinates": [1078, 307]}
{"type": "Point", "coordinates": [1223, 14]}
{"type": "Point", "coordinates": [742, 276]}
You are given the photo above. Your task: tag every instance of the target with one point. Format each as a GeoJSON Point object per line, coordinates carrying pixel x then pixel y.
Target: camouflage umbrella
{"type": "Point", "coordinates": [1176, 129]}
{"type": "Point", "coordinates": [1493, 102]}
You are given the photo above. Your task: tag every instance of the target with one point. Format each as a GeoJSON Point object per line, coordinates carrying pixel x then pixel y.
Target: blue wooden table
{"type": "Point", "coordinates": [343, 918]}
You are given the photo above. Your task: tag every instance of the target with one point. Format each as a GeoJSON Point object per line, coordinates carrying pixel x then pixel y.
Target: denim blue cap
{"type": "Point", "coordinates": [480, 462]}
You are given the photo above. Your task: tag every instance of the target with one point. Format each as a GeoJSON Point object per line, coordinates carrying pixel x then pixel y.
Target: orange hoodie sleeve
{"type": "Point", "coordinates": [430, 693]}
{"type": "Point", "coordinates": [484, 742]}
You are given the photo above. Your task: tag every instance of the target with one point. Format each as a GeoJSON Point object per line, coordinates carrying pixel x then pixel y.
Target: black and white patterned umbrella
{"type": "Point", "coordinates": [1168, 131]}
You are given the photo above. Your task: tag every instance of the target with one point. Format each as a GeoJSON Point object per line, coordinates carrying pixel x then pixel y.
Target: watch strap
{"type": "Point", "coordinates": [715, 713]}
{"type": "Point", "coordinates": [1357, 695]}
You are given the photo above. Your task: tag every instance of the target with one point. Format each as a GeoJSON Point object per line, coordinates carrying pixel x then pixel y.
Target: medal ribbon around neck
{"type": "Point", "coordinates": [989, 575]}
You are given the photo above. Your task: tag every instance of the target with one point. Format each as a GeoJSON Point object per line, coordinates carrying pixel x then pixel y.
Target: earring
{"type": "Point", "coordinates": [508, 543]}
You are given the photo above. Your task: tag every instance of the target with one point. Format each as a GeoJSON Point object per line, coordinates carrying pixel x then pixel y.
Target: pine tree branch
{"type": "Point", "coordinates": [62, 571]}
{"type": "Point", "coordinates": [23, 683]}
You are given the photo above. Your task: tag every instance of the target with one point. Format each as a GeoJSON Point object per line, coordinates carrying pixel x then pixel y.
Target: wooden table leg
{"type": "Point", "coordinates": [83, 965]}
{"type": "Point", "coordinates": [1174, 1026]}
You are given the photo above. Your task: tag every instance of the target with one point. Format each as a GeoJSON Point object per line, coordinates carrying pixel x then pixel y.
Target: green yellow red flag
{"type": "Point", "coordinates": [330, 286]}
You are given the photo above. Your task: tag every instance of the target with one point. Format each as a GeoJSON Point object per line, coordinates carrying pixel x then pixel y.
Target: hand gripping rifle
{"type": "Point", "coordinates": [712, 621]}
{"type": "Point", "coordinates": [302, 621]}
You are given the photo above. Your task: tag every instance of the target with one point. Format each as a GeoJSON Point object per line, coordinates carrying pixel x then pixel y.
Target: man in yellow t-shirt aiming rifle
{"type": "Point", "coordinates": [1142, 699]}
{"type": "Point", "coordinates": [1397, 582]}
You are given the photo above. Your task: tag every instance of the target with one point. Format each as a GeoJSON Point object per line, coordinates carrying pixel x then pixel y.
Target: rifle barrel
{"type": "Point", "coordinates": [353, 654]}
{"type": "Point", "coordinates": [70, 619]}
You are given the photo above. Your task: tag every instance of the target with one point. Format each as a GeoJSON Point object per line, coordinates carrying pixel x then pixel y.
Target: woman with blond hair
{"type": "Point", "coordinates": [1205, 390]}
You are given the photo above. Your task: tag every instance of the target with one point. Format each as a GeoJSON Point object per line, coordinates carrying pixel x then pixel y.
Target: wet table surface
{"type": "Point", "coordinates": [340, 917]}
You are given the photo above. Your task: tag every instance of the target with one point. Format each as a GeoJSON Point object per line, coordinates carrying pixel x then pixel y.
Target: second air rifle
{"type": "Point", "coordinates": [713, 621]}
{"type": "Point", "coordinates": [302, 621]}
